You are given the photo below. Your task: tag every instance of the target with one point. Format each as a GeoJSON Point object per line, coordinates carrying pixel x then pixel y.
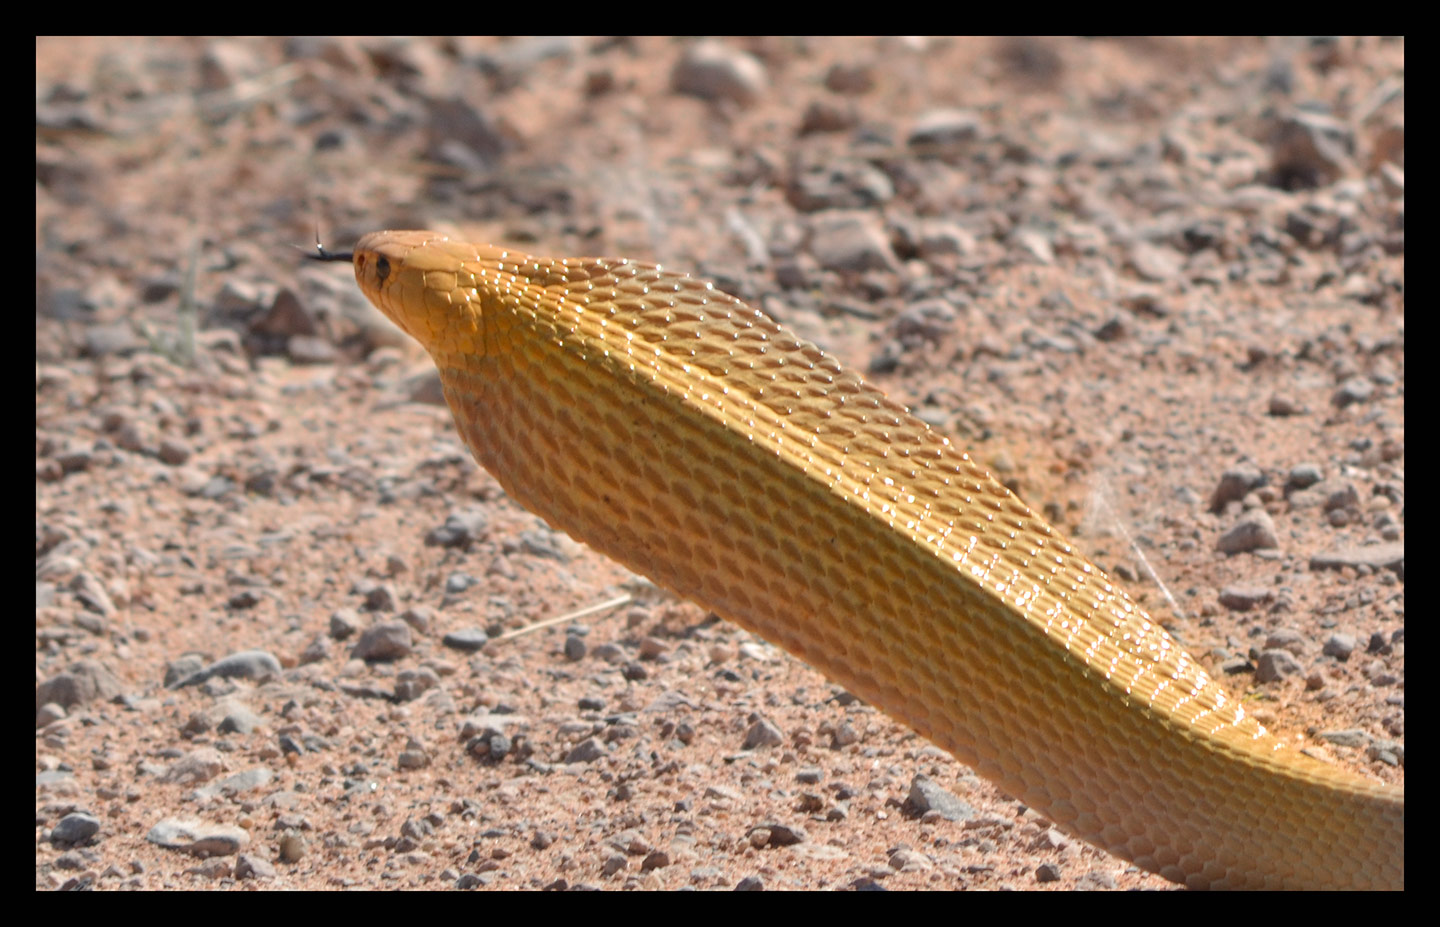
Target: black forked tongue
{"type": "Point", "coordinates": [322, 255]}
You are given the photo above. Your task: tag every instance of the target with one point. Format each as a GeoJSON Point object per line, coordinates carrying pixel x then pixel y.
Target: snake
{"type": "Point", "coordinates": [691, 438]}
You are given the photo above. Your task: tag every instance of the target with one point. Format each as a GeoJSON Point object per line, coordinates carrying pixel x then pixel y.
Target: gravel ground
{"type": "Point", "coordinates": [1156, 285]}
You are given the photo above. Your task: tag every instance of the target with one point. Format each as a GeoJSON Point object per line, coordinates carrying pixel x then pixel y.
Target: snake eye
{"type": "Point", "coordinates": [382, 269]}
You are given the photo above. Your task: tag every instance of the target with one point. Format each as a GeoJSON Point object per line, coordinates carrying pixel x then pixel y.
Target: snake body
{"type": "Point", "coordinates": [689, 437]}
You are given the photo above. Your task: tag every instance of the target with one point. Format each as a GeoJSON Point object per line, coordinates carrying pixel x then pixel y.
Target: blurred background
{"type": "Point", "coordinates": [1156, 285]}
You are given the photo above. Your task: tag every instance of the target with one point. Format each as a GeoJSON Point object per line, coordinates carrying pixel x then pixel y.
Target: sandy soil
{"type": "Point", "coordinates": [1157, 286]}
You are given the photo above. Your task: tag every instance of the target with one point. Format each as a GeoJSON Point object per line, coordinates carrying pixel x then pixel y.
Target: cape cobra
{"type": "Point", "coordinates": [688, 436]}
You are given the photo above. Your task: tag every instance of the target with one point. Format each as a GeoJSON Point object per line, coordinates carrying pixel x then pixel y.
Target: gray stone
{"type": "Point", "coordinates": [714, 71]}
{"type": "Point", "coordinates": [1352, 391]}
{"type": "Point", "coordinates": [466, 640]}
{"type": "Point", "coordinates": [238, 719]}
{"type": "Point", "coordinates": [928, 795]}
{"type": "Point", "coordinates": [1304, 475]}
{"type": "Point", "coordinates": [780, 835]}
{"type": "Point", "coordinates": [762, 733]}
{"type": "Point", "coordinates": [587, 751]}
{"type": "Point", "coordinates": [1339, 646]}
{"type": "Point", "coordinates": [1390, 556]}
{"type": "Point", "coordinates": [940, 131]}
{"type": "Point", "coordinates": [1275, 665]}
{"type": "Point", "coordinates": [1244, 598]}
{"type": "Point", "coordinates": [199, 765]}
{"type": "Point", "coordinates": [83, 682]}
{"type": "Point", "coordinates": [250, 866]}
{"type": "Point", "coordinates": [75, 827]}
{"type": "Point", "coordinates": [198, 838]}
{"type": "Point", "coordinates": [851, 241]}
{"type": "Point", "coordinates": [48, 714]}
{"type": "Point", "coordinates": [1287, 639]}
{"type": "Point", "coordinates": [387, 640]}
{"type": "Point", "coordinates": [247, 664]}
{"type": "Point", "coordinates": [1235, 483]}
{"type": "Point", "coordinates": [461, 529]}
{"type": "Point", "coordinates": [1254, 531]}
{"type": "Point", "coordinates": [244, 781]}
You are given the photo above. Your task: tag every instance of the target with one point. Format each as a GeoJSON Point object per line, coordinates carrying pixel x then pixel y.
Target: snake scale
{"type": "Point", "coordinates": [689, 437]}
